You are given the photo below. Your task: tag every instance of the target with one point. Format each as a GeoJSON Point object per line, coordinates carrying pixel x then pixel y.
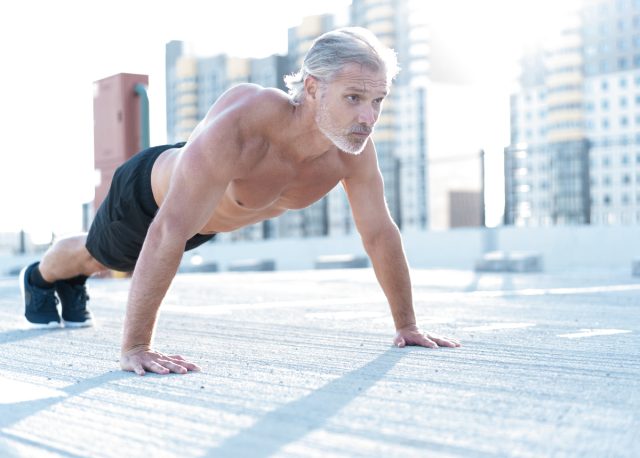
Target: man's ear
{"type": "Point", "coordinates": [311, 87]}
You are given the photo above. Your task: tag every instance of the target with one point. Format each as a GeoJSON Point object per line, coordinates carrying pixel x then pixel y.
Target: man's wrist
{"type": "Point", "coordinates": [131, 349]}
{"type": "Point", "coordinates": [407, 326]}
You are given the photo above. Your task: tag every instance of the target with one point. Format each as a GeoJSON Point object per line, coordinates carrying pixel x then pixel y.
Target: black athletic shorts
{"type": "Point", "coordinates": [121, 223]}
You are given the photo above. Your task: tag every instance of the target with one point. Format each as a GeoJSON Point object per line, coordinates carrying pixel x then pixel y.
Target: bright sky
{"type": "Point", "coordinates": [52, 51]}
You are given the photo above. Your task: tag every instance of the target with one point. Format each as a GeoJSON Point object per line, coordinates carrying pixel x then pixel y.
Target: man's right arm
{"type": "Point", "coordinates": [203, 172]}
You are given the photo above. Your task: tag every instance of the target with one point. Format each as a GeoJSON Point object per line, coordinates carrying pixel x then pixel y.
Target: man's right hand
{"type": "Point", "coordinates": [142, 360]}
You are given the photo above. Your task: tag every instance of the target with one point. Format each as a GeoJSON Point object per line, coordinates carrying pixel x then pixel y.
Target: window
{"type": "Point", "coordinates": [623, 102]}
{"type": "Point", "coordinates": [621, 45]}
{"type": "Point", "coordinates": [624, 121]}
{"type": "Point", "coordinates": [606, 200]}
{"type": "Point", "coordinates": [606, 180]}
{"type": "Point", "coordinates": [605, 123]}
{"type": "Point", "coordinates": [604, 85]}
{"type": "Point", "coordinates": [626, 179]}
{"type": "Point", "coordinates": [604, 104]}
{"type": "Point", "coordinates": [622, 63]}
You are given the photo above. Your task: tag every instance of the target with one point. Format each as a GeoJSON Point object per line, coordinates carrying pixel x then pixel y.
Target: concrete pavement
{"type": "Point", "coordinates": [301, 364]}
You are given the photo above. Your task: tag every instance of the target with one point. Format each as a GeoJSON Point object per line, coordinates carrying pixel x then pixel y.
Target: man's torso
{"type": "Point", "coordinates": [271, 185]}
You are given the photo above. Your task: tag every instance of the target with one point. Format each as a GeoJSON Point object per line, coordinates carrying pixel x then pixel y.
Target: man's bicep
{"type": "Point", "coordinates": [367, 201]}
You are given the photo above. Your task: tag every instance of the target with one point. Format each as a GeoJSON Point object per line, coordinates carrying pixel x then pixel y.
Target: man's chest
{"type": "Point", "coordinates": [286, 187]}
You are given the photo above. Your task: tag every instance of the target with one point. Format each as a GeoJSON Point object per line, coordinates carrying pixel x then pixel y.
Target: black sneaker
{"type": "Point", "coordinates": [74, 304]}
{"type": "Point", "coordinates": [40, 304]}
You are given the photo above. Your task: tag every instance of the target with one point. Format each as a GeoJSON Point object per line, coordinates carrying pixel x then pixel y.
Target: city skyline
{"type": "Point", "coordinates": [47, 117]}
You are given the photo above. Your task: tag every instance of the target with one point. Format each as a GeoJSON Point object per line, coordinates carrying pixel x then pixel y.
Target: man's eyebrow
{"type": "Point", "coordinates": [363, 91]}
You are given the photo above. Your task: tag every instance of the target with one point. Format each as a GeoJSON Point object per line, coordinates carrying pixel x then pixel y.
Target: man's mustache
{"type": "Point", "coordinates": [359, 129]}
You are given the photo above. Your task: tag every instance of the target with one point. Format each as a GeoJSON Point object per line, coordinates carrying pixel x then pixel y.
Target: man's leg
{"type": "Point", "coordinates": [68, 258]}
{"type": "Point", "coordinates": [64, 270]}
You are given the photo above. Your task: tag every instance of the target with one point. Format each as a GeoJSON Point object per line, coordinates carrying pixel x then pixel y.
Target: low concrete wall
{"type": "Point", "coordinates": [588, 247]}
{"type": "Point", "coordinates": [561, 248]}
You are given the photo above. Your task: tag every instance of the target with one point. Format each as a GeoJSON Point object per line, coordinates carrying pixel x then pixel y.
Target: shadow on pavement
{"type": "Point", "coordinates": [304, 415]}
{"type": "Point", "coordinates": [17, 335]}
{"type": "Point", "coordinates": [14, 412]}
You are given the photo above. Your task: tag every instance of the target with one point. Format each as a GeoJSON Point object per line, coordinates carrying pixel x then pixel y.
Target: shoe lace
{"type": "Point", "coordinates": [80, 296]}
{"type": "Point", "coordinates": [45, 299]}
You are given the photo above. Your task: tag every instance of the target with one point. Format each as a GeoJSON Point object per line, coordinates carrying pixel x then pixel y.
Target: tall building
{"type": "Point", "coordinates": [433, 175]}
{"type": "Point", "coordinates": [574, 156]}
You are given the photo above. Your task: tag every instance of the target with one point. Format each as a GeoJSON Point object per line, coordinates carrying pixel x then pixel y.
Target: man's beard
{"type": "Point", "coordinates": [339, 137]}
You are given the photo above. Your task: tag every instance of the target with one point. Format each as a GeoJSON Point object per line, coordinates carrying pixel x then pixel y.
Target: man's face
{"type": "Point", "coordinates": [349, 106]}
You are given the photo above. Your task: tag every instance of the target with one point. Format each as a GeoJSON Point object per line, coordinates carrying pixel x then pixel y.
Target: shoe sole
{"type": "Point", "coordinates": [50, 324]}
{"type": "Point", "coordinates": [78, 324]}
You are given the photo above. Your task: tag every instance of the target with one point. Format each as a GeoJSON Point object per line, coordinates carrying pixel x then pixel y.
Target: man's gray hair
{"type": "Point", "coordinates": [333, 50]}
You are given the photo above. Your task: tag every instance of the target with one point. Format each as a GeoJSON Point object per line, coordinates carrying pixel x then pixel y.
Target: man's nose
{"type": "Point", "coordinates": [367, 115]}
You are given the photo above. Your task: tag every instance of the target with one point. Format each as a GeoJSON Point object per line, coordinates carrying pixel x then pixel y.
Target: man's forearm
{"type": "Point", "coordinates": [390, 265]}
{"type": "Point", "coordinates": [155, 269]}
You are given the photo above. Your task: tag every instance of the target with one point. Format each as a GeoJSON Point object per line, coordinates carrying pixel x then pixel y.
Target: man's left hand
{"type": "Point", "coordinates": [411, 335]}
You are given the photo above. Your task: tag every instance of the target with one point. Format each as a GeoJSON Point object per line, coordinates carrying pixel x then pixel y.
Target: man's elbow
{"type": "Point", "coordinates": [388, 235]}
{"type": "Point", "coordinates": [165, 231]}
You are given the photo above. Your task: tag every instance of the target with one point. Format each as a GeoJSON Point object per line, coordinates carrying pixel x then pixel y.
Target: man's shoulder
{"type": "Point", "coordinates": [254, 96]}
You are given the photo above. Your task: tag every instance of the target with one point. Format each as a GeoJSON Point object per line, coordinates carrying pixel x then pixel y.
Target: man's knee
{"type": "Point", "coordinates": [93, 265]}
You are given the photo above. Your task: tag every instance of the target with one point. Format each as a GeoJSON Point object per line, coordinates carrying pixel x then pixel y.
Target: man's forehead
{"type": "Point", "coordinates": [363, 79]}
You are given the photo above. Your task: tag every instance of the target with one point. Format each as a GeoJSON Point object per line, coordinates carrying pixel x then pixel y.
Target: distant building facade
{"type": "Point", "coordinates": [574, 156]}
{"type": "Point", "coordinates": [118, 126]}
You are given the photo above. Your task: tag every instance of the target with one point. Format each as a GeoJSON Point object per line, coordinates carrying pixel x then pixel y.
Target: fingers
{"type": "Point", "coordinates": [184, 363]}
{"type": "Point", "coordinates": [138, 369]}
{"type": "Point", "coordinates": [188, 364]}
{"type": "Point", "coordinates": [445, 342]}
{"type": "Point", "coordinates": [423, 340]}
{"type": "Point", "coordinates": [157, 363]}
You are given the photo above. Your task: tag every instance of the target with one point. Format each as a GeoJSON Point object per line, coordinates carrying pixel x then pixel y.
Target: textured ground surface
{"type": "Point", "coordinates": [300, 364]}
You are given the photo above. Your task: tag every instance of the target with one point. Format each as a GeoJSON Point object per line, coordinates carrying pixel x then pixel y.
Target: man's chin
{"type": "Point", "coordinates": [354, 148]}
{"type": "Point", "coordinates": [353, 152]}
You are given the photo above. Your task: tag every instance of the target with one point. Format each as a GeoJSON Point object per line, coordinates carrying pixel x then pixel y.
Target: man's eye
{"type": "Point", "coordinates": [352, 98]}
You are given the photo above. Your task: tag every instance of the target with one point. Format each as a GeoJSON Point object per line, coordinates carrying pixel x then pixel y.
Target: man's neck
{"type": "Point", "coordinates": [303, 140]}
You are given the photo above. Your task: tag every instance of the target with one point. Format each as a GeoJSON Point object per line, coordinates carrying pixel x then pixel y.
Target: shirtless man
{"type": "Point", "coordinates": [257, 153]}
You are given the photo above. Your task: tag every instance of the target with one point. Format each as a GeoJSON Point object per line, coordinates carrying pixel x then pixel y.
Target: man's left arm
{"type": "Point", "coordinates": [383, 243]}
